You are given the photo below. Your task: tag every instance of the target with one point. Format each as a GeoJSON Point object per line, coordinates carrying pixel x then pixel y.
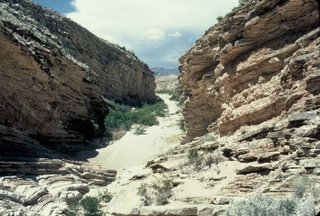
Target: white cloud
{"type": "Point", "coordinates": [154, 34]}
{"type": "Point", "coordinates": [175, 35]}
{"type": "Point", "coordinates": [133, 22]}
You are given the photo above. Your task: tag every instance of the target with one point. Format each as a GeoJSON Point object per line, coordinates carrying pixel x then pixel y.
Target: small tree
{"type": "Point", "coordinates": [220, 18]}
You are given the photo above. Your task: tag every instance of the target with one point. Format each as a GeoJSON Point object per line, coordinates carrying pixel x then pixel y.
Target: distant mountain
{"type": "Point", "coordinates": [160, 71]}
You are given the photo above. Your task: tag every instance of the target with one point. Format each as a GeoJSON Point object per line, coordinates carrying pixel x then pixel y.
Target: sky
{"type": "Point", "coordinates": [157, 31]}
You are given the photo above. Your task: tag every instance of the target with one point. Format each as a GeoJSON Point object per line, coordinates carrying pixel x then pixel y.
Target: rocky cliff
{"type": "Point", "coordinates": [54, 75]}
{"type": "Point", "coordinates": [259, 63]}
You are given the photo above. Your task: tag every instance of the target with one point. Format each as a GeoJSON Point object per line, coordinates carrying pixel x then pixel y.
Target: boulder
{"type": "Point", "coordinates": [261, 169]}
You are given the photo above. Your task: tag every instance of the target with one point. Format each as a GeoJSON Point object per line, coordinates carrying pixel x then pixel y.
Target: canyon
{"type": "Point", "coordinates": [55, 79]}
{"type": "Point", "coordinates": [54, 76]}
{"type": "Point", "coordinates": [247, 102]}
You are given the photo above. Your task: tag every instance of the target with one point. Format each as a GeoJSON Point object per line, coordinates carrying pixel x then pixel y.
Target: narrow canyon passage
{"type": "Point", "coordinates": [136, 150]}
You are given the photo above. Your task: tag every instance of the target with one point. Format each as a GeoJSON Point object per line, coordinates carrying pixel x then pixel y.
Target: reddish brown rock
{"type": "Point", "coordinates": [261, 61]}
{"type": "Point", "coordinates": [54, 74]}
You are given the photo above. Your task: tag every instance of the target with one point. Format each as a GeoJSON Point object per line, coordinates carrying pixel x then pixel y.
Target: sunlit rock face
{"type": "Point", "coordinates": [261, 61]}
{"type": "Point", "coordinates": [53, 76]}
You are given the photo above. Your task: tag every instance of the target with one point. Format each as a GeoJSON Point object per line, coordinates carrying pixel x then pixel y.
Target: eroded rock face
{"type": "Point", "coordinates": [54, 74]}
{"type": "Point", "coordinates": [46, 186]}
{"type": "Point", "coordinates": [276, 158]}
{"type": "Point", "coordinates": [260, 62]}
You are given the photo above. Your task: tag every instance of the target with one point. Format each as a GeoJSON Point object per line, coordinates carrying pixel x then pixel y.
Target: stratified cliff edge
{"type": "Point", "coordinates": [260, 62]}
{"type": "Point", "coordinates": [53, 76]}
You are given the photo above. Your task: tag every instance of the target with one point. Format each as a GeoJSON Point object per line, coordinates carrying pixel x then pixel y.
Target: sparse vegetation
{"type": "Point", "coordinates": [194, 158]}
{"type": "Point", "coordinates": [105, 196]}
{"type": "Point", "coordinates": [300, 186]}
{"type": "Point", "coordinates": [178, 96]}
{"type": "Point", "coordinates": [209, 138]}
{"type": "Point", "coordinates": [163, 191]}
{"type": "Point", "coordinates": [263, 205]}
{"type": "Point", "coordinates": [302, 203]}
{"type": "Point", "coordinates": [158, 193]}
{"type": "Point", "coordinates": [91, 206]}
{"type": "Point", "coordinates": [175, 96]}
{"type": "Point", "coordinates": [242, 2]}
{"type": "Point", "coordinates": [209, 160]}
{"type": "Point", "coordinates": [220, 18]}
{"type": "Point", "coordinates": [181, 124]}
{"type": "Point", "coordinates": [139, 130]}
{"type": "Point", "coordinates": [123, 117]}
{"type": "Point", "coordinates": [144, 193]}
{"type": "Point", "coordinates": [303, 188]}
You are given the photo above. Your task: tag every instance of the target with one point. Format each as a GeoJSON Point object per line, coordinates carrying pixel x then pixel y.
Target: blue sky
{"type": "Point", "coordinates": [158, 31]}
{"type": "Point", "coordinates": [62, 6]}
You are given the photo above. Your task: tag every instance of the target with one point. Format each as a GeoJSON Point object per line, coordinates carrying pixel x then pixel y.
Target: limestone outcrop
{"type": "Point", "coordinates": [260, 62]}
{"type": "Point", "coordinates": [54, 75]}
{"type": "Point", "coordinates": [46, 186]}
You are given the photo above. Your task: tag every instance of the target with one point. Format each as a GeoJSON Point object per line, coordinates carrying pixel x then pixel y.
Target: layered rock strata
{"type": "Point", "coordinates": [54, 75]}
{"type": "Point", "coordinates": [46, 187]}
{"type": "Point", "coordinates": [261, 61]}
{"type": "Point", "coordinates": [278, 158]}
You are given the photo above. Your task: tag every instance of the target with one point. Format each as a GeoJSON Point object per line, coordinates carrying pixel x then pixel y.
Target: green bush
{"type": "Point", "coordinates": [158, 193]}
{"type": "Point", "coordinates": [163, 191]}
{"type": "Point", "coordinates": [91, 206]}
{"type": "Point", "coordinates": [263, 205]}
{"type": "Point", "coordinates": [306, 207]}
{"type": "Point", "coordinates": [302, 203]}
{"type": "Point", "coordinates": [125, 118]}
{"type": "Point", "coordinates": [175, 97]}
{"type": "Point", "coordinates": [105, 196]}
{"type": "Point", "coordinates": [144, 193]}
{"type": "Point", "coordinates": [139, 130]}
{"type": "Point", "coordinates": [181, 124]}
{"type": "Point", "coordinates": [194, 158]}
{"type": "Point", "coordinates": [301, 186]}
{"type": "Point", "coordinates": [220, 18]}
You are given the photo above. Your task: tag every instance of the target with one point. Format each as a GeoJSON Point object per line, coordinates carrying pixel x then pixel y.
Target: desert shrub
{"type": "Point", "coordinates": [209, 138]}
{"type": "Point", "coordinates": [91, 206]}
{"type": "Point", "coordinates": [163, 191]}
{"type": "Point", "coordinates": [105, 196]}
{"type": "Point", "coordinates": [263, 205]}
{"type": "Point", "coordinates": [219, 18]}
{"type": "Point", "coordinates": [209, 160]}
{"type": "Point", "coordinates": [181, 124]}
{"type": "Point", "coordinates": [117, 120]}
{"type": "Point", "coordinates": [306, 207]}
{"type": "Point", "coordinates": [242, 2]}
{"type": "Point", "coordinates": [194, 158]}
{"type": "Point", "coordinates": [139, 130]}
{"type": "Point", "coordinates": [124, 118]}
{"type": "Point", "coordinates": [142, 190]}
{"type": "Point", "coordinates": [301, 186]}
{"type": "Point", "coordinates": [71, 213]}
{"type": "Point", "coordinates": [158, 193]}
{"type": "Point", "coordinates": [302, 203]}
{"type": "Point", "coordinates": [175, 96]}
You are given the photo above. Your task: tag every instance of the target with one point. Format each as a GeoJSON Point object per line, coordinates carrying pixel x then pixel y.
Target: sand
{"type": "Point", "coordinates": [136, 150]}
